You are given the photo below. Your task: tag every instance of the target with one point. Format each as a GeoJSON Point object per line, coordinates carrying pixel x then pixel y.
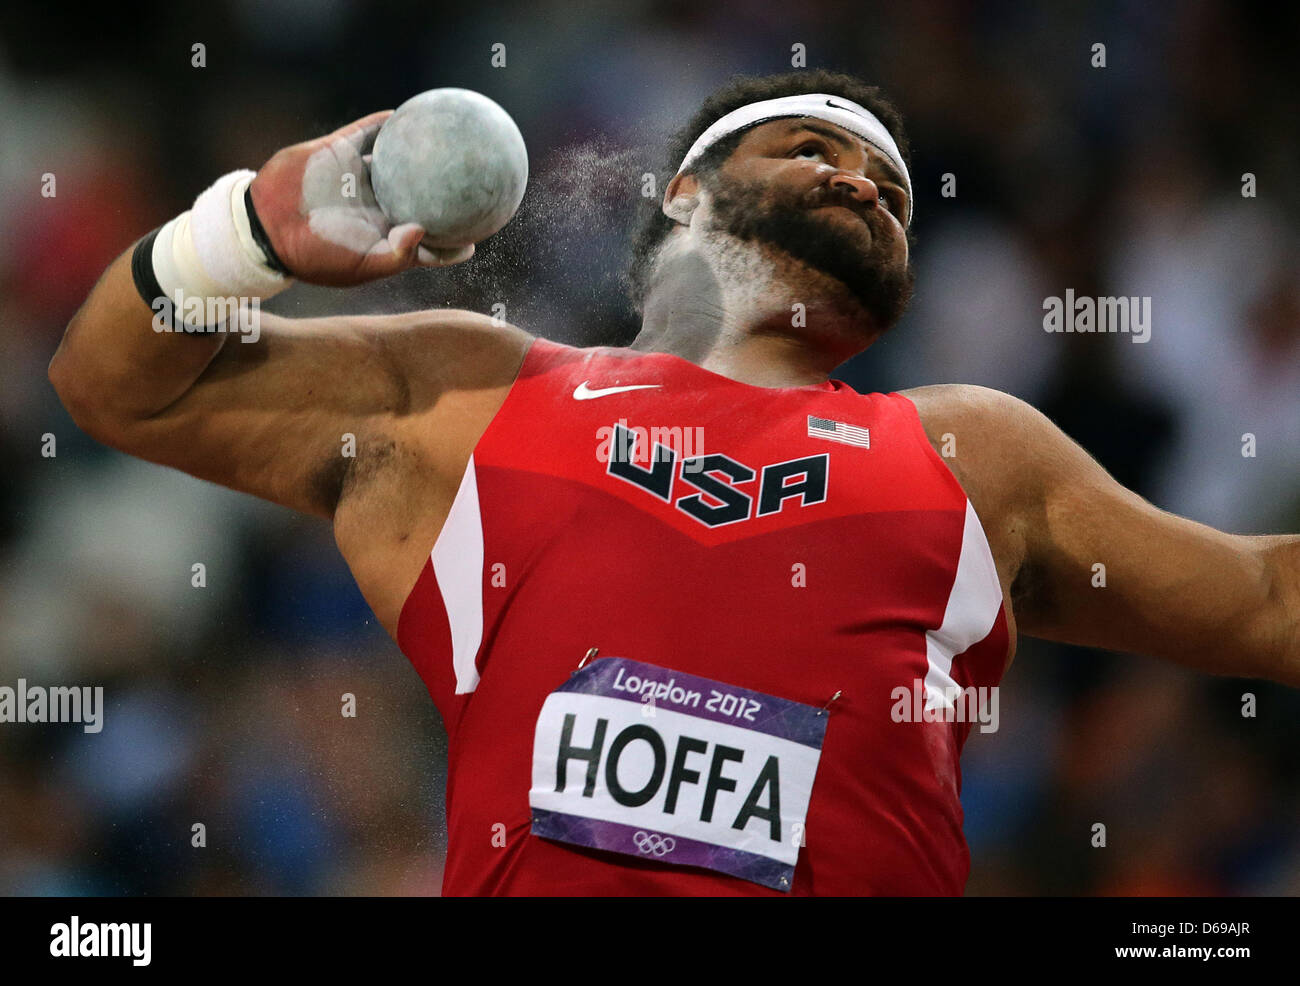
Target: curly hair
{"type": "Point", "coordinates": [740, 90]}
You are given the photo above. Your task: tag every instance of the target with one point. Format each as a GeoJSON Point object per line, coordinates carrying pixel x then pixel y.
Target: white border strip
{"type": "Point", "coordinates": [458, 566]}
{"type": "Point", "coordinates": [972, 610]}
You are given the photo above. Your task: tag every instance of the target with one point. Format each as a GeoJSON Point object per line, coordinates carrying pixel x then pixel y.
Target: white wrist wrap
{"type": "Point", "coordinates": [209, 251]}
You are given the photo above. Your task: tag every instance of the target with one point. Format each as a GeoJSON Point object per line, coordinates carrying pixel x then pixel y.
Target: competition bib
{"type": "Point", "coordinates": [638, 759]}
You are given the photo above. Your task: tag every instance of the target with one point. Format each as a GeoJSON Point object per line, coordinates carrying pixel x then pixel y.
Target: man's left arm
{"type": "Point", "coordinates": [1170, 587]}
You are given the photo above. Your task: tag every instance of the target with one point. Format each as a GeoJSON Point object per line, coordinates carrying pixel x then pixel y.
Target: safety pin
{"type": "Point", "coordinates": [826, 708]}
{"type": "Point", "coordinates": [585, 658]}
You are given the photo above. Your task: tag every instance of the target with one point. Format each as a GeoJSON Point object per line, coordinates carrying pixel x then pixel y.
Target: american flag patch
{"type": "Point", "coordinates": [838, 431]}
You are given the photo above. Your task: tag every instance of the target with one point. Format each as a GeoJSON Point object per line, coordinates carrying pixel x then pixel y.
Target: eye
{"type": "Point", "coordinates": [812, 148]}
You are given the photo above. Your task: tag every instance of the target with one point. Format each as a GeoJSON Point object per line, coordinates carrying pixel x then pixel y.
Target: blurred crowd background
{"type": "Point", "coordinates": [223, 703]}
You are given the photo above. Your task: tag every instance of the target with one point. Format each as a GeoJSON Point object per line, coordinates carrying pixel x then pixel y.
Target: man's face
{"type": "Point", "coordinates": [825, 197]}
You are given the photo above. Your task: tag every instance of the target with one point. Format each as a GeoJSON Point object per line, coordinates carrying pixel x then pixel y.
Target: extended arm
{"type": "Point", "coordinates": [1169, 588]}
{"type": "Point", "coordinates": [268, 416]}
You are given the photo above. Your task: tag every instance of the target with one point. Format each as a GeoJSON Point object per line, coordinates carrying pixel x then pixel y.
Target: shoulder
{"type": "Point", "coordinates": [969, 406]}
{"type": "Point", "coordinates": [967, 425]}
{"type": "Point", "coordinates": [997, 446]}
{"type": "Point", "coordinates": [452, 337]}
{"type": "Point", "coordinates": [448, 372]}
{"type": "Point", "coordinates": [1022, 473]}
{"type": "Point", "coordinates": [430, 355]}
{"type": "Point", "coordinates": [986, 433]}
{"type": "Point", "coordinates": [1001, 442]}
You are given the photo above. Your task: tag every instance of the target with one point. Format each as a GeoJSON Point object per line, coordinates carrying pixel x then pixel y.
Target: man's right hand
{"type": "Point", "coordinates": [317, 206]}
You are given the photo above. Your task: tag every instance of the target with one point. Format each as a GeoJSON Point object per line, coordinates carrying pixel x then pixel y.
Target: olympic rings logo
{"type": "Point", "coordinates": [654, 845]}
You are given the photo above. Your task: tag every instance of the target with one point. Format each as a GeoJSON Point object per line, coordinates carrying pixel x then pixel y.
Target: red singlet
{"type": "Point", "coordinates": [787, 543]}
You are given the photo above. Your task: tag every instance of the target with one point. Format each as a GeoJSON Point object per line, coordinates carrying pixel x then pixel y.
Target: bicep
{"type": "Point", "coordinates": [1105, 568]}
{"type": "Point", "coordinates": [286, 416]}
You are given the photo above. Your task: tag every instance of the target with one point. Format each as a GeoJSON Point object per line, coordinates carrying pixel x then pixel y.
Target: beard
{"type": "Point", "coordinates": [879, 283]}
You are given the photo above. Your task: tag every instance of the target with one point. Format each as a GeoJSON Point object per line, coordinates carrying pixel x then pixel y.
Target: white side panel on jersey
{"type": "Point", "coordinates": [972, 610]}
{"type": "Point", "coordinates": [458, 566]}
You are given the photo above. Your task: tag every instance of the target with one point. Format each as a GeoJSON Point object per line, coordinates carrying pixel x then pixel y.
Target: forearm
{"type": "Point", "coordinates": [1173, 589]}
{"type": "Point", "coordinates": [112, 367]}
{"type": "Point", "coordinates": [1280, 622]}
{"type": "Point", "coordinates": [162, 311]}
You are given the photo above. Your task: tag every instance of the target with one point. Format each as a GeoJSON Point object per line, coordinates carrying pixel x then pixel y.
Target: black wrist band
{"type": "Point", "coordinates": [146, 281]}
{"type": "Point", "coordinates": [259, 235]}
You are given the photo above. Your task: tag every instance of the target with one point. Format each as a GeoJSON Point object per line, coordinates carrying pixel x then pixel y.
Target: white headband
{"type": "Point", "coordinates": [833, 109]}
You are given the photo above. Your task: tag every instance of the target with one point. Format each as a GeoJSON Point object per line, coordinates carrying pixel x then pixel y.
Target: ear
{"type": "Point", "coordinates": [681, 198]}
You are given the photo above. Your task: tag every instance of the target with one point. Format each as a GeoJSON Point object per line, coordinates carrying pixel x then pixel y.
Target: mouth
{"type": "Point", "coordinates": [857, 214]}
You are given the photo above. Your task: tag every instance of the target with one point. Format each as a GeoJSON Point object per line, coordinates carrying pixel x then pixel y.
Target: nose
{"type": "Point", "coordinates": [861, 189]}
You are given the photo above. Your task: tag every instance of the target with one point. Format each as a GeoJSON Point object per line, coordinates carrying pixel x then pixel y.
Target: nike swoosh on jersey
{"type": "Point", "coordinates": [583, 393]}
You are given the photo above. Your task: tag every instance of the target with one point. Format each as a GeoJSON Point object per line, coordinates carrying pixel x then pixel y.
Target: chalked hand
{"type": "Point", "coordinates": [318, 213]}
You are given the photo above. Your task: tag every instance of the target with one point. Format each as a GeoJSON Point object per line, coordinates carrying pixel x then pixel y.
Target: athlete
{"type": "Point", "coordinates": [699, 619]}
